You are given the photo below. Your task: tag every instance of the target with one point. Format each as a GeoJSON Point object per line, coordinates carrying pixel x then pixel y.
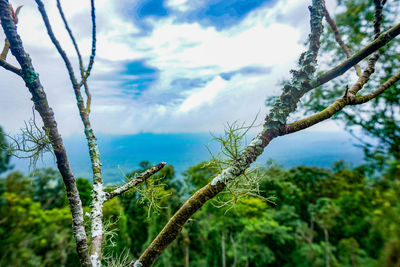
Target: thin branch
{"type": "Point", "coordinates": [56, 42]}
{"type": "Point", "coordinates": [88, 97]}
{"type": "Point", "coordinates": [337, 106]}
{"type": "Point", "coordinates": [363, 99]}
{"type": "Point", "coordinates": [71, 36]}
{"type": "Point", "coordinates": [364, 78]}
{"type": "Point", "coordinates": [339, 39]}
{"type": "Point", "coordinates": [328, 112]}
{"type": "Point", "coordinates": [4, 52]}
{"type": "Point", "coordinates": [6, 47]}
{"type": "Point", "coordinates": [382, 40]}
{"type": "Point", "coordinates": [136, 181]}
{"type": "Point", "coordinates": [93, 54]}
{"type": "Point", "coordinates": [10, 67]}
{"type": "Point", "coordinates": [84, 74]}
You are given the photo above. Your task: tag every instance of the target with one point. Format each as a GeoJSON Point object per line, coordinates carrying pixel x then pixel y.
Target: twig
{"type": "Point", "coordinates": [78, 53]}
{"type": "Point", "coordinates": [56, 43]}
{"type": "Point", "coordinates": [93, 54]}
{"type": "Point", "coordinates": [10, 67]}
{"type": "Point", "coordinates": [71, 36]}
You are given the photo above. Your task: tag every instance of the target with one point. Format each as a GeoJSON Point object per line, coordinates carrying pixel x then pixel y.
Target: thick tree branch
{"type": "Point", "coordinates": [136, 181]}
{"type": "Point", "coordinates": [32, 81]}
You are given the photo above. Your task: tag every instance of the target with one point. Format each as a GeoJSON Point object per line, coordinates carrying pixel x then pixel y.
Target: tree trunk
{"type": "Point", "coordinates": [327, 260]}
{"type": "Point", "coordinates": [234, 251]}
{"type": "Point", "coordinates": [223, 249]}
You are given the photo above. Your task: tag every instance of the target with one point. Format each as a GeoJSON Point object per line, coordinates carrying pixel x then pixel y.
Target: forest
{"type": "Point", "coordinates": [221, 212]}
{"type": "Point", "coordinates": [303, 216]}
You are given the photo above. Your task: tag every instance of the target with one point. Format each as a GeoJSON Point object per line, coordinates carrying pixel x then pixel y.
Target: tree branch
{"type": "Point", "coordinates": [96, 214]}
{"type": "Point", "coordinates": [136, 181]}
{"type": "Point", "coordinates": [32, 81]}
{"type": "Point", "coordinates": [339, 39]}
{"type": "Point", "coordinates": [93, 54]}
{"type": "Point", "coordinates": [78, 53]}
{"type": "Point", "coordinates": [363, 99]}
{"type": "Point", "coordinates": [56, 43]}
{"type": "Point", "coordinates": [364, 78]}
{"type": "Point", "coordinates": [71, 36]}
{"type": "Point", "coordinates": [337, 106]}
{"type": "Point", "coordinates": [382, 40]}
{"type": "Point", "coordinates": [293, 91]}
{"type": "Point", "coordinates": [10, 67]}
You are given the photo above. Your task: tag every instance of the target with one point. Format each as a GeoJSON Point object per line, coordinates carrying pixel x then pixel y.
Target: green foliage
{"type": "Point", "coordinates": [85, 191]}
{"type": "Point", "coordinates": [361, 216]}
{"type": "Point", "coordinates": [49, 188]}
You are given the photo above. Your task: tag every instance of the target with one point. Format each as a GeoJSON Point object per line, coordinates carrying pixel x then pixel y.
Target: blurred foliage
{"type": "Point", "coordinates": [4, 155]}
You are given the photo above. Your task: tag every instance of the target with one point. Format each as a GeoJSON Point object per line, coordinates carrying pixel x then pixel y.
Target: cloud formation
{"type": "Point", "coordinates": [162, 65]}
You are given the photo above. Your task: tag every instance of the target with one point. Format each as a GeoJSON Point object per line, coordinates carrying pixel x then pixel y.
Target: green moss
{"type": "Point", "coordinates": [30, 76]}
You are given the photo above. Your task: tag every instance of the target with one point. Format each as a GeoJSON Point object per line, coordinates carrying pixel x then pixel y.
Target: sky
{"type": "Point", "coordinates": [162, 66]}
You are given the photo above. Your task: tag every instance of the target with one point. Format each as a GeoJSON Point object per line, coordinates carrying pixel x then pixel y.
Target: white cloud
{"type": "Point", "coordinates": [177, 50]}
{"type": "Point", "coordinates": [204, 95]}
{"type": "Point", "coordinates": [180, 5]}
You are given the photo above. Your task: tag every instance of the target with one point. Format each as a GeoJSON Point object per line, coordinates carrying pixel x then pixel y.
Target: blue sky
{"type": "Point", "coordinates": [163, 66]}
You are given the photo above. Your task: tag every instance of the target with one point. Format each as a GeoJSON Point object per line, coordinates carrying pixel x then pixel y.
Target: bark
{"type": "Point", "coordinates": [136, 181]}
{"type": "Point", "coordinates": [234, 251]}
{"type": "Point", "coordinates": [32, 82]}
{"type": "Point", "coordinates": [98, 195]}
